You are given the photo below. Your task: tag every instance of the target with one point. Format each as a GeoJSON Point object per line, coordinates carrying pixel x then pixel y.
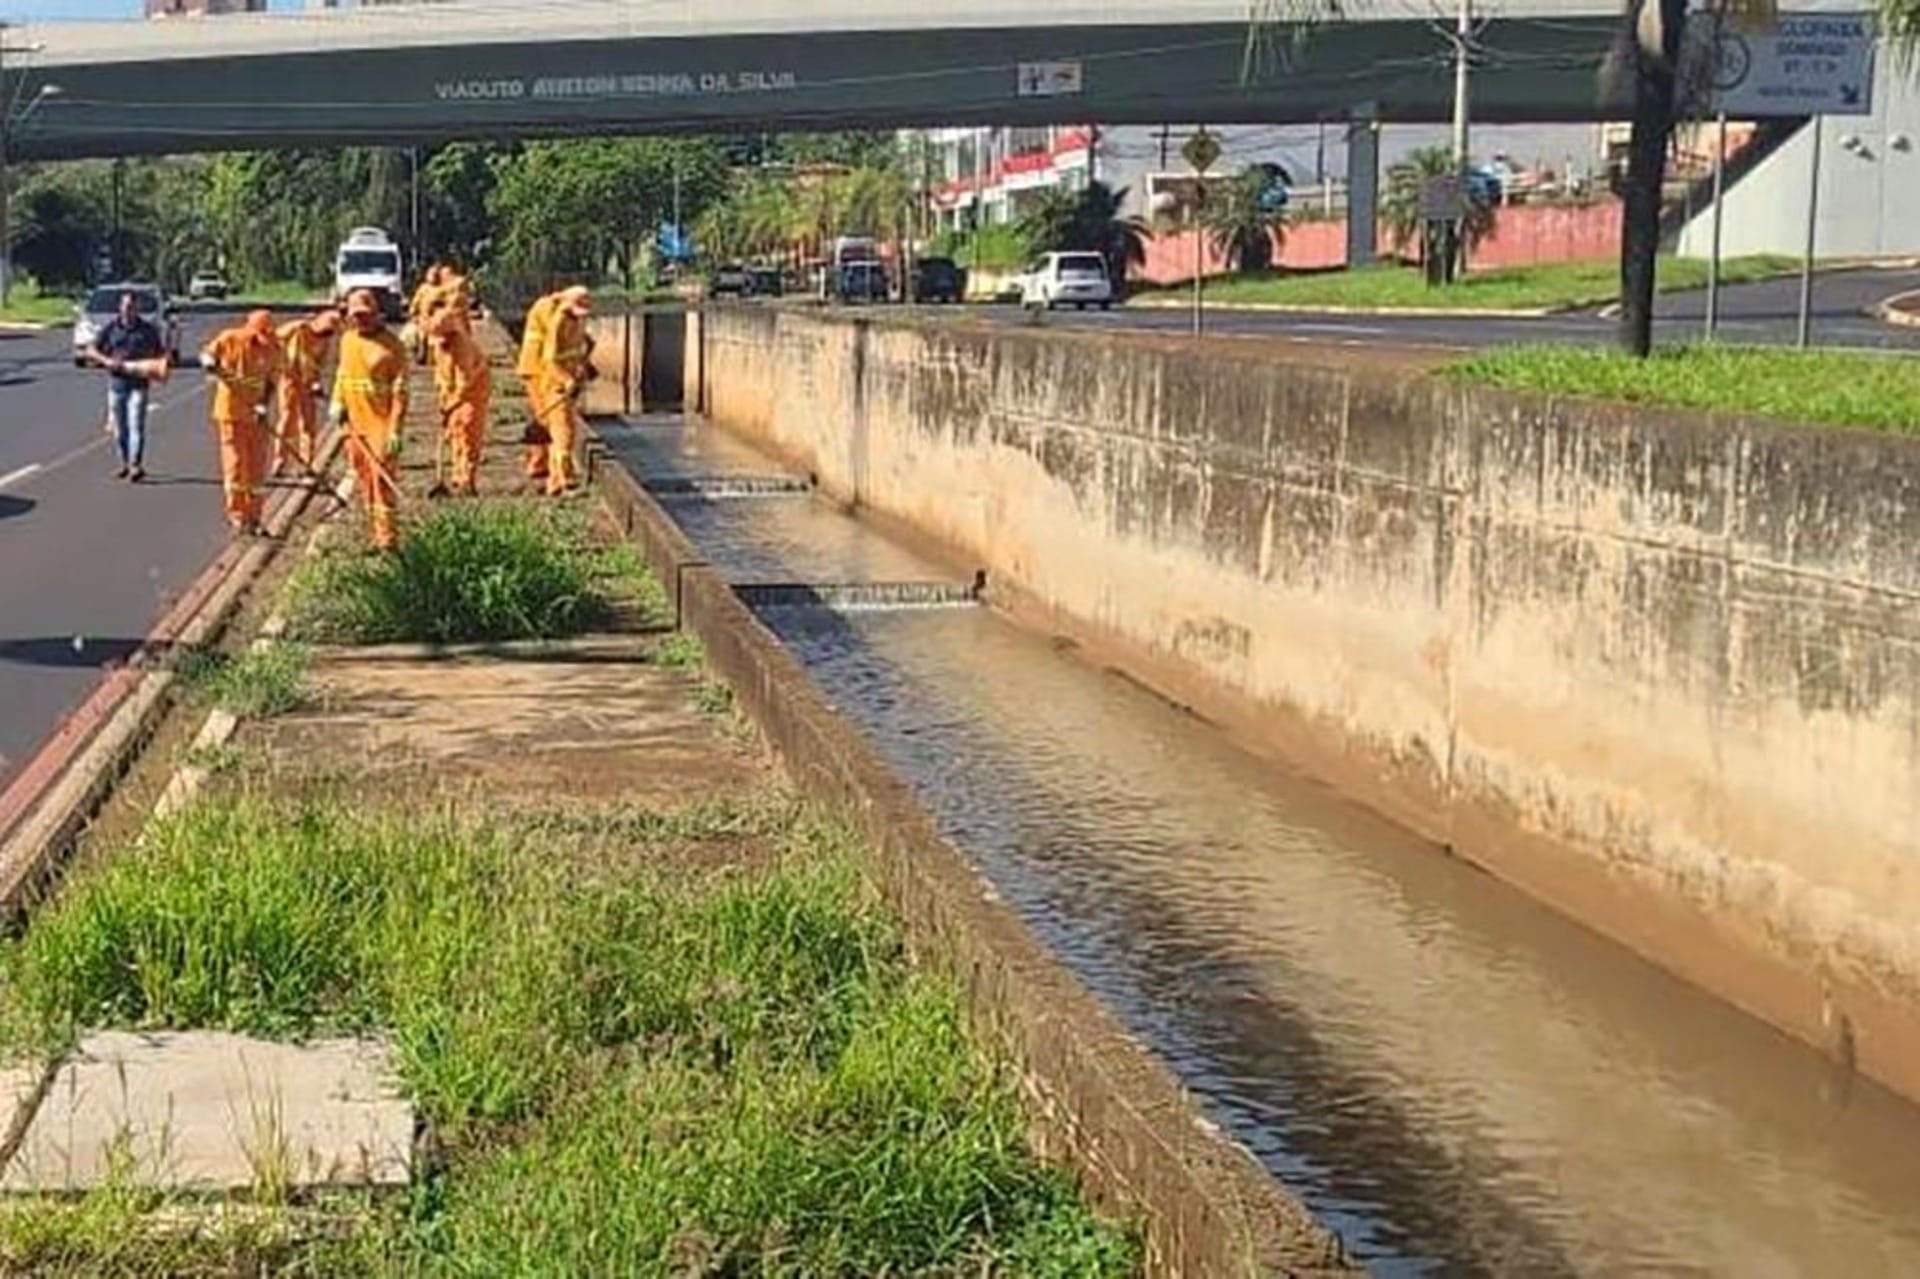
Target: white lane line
{"type": "Point", "coordinates": [14, 477]}
{"type": "Point", "coordinates": [1361, 330]}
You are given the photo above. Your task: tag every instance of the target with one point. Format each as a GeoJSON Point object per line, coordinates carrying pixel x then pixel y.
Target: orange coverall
{"type": "Point", "coordinates": [465, 383]}
{"type": "Point", "coordinates": [244, 366]}
{"type": "Point", "coordinates": [563, 368]}
{"type": "Point", "coordinates": [302, 351]}
{"type": "Point", "coordinates": [370, 388]}
{"type": "Point", "coordinates": [533, 341]}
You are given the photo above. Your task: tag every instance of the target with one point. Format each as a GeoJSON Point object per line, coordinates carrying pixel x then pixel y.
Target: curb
{"type": "Point", "coordinates": [1378, 312]}
{"type": "Point", "coordinates": [1901, 310]}
{"type": "Point", "coordinates": [1099, 1101]}
{"type": "Point", "coordinates": [45, 808]}
{"type": "Point", "coordinates": [26, 326]}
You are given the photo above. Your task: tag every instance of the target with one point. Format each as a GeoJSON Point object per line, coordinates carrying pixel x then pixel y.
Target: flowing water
{"type": "Point", "coordinates": [1454, 1078]}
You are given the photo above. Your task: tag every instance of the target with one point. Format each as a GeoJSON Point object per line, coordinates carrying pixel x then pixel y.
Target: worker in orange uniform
{"type": "Point", "coordinates": [465, 383]}
{"type": "Point", "coordinates": [424, 294]}
{"type": "Point", "coordinates": [303, 349]}
{"type": "Point", "coordinates": [533, 340]}
{"type": "Point", "coordinates": [243, 363]}
{"type": "Point", "coordinates": [370, 401]}
{"type": "Point", "coordinates": [564, 369]}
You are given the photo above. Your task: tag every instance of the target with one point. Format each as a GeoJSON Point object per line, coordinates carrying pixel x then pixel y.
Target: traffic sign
{"type": "Point", "coordinates": [1805, 64]}
{"type": "Point", "coordinates": [1201, 151]}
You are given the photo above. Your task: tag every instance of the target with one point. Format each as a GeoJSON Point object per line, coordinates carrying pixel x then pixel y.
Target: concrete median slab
{"type": "Point", "coordinates": [209, 1111]}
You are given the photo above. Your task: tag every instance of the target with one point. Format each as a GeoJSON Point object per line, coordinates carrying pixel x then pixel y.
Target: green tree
{"type": "Point", "coordinates": [456, 183]}
{"type": "Point", "coordinates": [1900, 23]}
{"type": "Point", "coordinates": [1089, 220]}
{"type": "Point", "coordinates": [1242, 223]}
{"type": "Point", "coordinates": [1400, 209]}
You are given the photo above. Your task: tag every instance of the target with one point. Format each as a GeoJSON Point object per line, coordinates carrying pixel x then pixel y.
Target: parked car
{"type": "Point", "coordinates": [208, 286]}
{"type": "Point", "coordinates": [1067, 279]}
{"type": "Point", "coordinates": [729, 280]}
{"type": "Point", "coordinates": [862, 282]}
{"type": "Point", "coordinates": [103, 304]}
{"type": "Point", "coordinates": [765, 282]}
{"type": "Point", "coordinates": [939, 280]}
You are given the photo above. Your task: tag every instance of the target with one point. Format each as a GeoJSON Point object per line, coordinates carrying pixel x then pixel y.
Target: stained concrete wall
{"type": "Point", "coordinates": [1658, 669]}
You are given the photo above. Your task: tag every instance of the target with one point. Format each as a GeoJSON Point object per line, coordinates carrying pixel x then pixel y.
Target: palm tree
{"type": "Point", "coordinates": [1242, 221]}
{"type": "Point", "coordinates": [1089, 221]}
{"type": "Point", "coordinates": [1401, 207]}
{"type": "Point", "coordinates": [1900, 24]}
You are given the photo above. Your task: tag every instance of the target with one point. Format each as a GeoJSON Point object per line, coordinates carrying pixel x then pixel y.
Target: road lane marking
{"type": "Point", "coordinates": [14, 477]}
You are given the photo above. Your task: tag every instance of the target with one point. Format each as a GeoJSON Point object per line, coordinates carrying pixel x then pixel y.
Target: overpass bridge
{"type": "Point", "coordinates": [420, 74]}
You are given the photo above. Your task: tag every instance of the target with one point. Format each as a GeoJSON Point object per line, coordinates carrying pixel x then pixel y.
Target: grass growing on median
{"type": "Point", "coordinates": [260, 683]}
{"type": "Point", "coordinates": [1827, 388]}
{"type": "Point", "coordinates": [1551, 285]}
{"type": "Point", "coordinates": [468, 571]}
{"type": "Point", "coordinates": [629, 1071]}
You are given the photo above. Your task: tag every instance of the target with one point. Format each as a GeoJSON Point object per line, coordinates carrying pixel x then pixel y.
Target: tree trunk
{"type": "Point", "coordinates": [1656, 53]}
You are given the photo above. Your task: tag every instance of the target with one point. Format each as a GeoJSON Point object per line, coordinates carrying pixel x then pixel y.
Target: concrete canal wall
{"type": "Point", "coordinates": [1657, 669]}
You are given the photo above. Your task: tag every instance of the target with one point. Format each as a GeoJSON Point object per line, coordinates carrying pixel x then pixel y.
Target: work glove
{"type": "Point", "coordinates": [208, 363]}
{"type": "Point", "coordinates": [393, 446]}
{"type": "Point", "coordinates": [315, 391]}
{"type": "Point", "coordinates": [339, 415]}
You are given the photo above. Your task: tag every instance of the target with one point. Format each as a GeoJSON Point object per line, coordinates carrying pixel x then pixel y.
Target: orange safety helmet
{"type": "Point", "coordinates": [325, 323]}
{"type": "Point", "coordinates": [576, 300]}
{"type": "Point", "coordinates": [361, 302]}
{"type": "Point", "coordinates": [259, 324]}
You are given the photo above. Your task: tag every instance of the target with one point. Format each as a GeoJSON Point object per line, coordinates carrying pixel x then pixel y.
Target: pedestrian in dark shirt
{"type": "Point", "coordinates": [128, 347]}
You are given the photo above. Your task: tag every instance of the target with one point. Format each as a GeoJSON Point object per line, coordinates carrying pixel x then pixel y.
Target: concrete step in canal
{"type": "Point", "coordinates": [1456, 1078]}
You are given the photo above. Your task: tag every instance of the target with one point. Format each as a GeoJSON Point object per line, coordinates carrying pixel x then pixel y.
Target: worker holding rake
{"type": "Point", "coordinates": [370, 401]}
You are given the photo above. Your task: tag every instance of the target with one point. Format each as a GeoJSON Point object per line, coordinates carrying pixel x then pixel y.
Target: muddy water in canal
{"type": "Point", "coordinates": [1454, 1078]}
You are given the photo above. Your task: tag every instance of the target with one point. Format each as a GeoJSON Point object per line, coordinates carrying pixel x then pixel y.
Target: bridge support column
{"type": "Point", "coordinates": [1363, 183]}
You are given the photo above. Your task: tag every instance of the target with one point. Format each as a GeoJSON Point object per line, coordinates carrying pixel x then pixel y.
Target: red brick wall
{"type": "Point", "coordinates": [1523, 235]}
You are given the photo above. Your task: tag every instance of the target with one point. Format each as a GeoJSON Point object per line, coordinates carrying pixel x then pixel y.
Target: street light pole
{"type": "Point", "coordinates": [6, 184]}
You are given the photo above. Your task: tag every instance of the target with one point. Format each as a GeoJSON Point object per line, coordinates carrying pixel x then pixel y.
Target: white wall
{"type": "Point", "coordinates": [1869, 195]}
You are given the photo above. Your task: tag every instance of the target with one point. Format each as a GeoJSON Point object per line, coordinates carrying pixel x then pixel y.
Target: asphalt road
{"type": "Point", "coordinates": [1762, 313]}
{"type": "Point", "coordinates": [88, 563]}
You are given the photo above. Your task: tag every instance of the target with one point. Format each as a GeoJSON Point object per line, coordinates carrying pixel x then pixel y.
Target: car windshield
{"type": "Point", "coordinates": [1082, 264]}
{"type": "Point", "coordinates": [107, 301]}
{"type": "Point", "coordinates": [369, 262]}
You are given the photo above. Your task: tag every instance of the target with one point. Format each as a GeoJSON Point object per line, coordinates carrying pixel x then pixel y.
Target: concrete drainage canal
{"type": "Point", "coordinates": [1453, 1077]}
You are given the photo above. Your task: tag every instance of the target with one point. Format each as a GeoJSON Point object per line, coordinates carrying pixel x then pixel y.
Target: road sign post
{"type": "Point", "coordinates": [1201, 152]}
{"type": "Point", "coordinates": [1811, 65]}
{"type": "Point", "coordinates": [1805, 331]}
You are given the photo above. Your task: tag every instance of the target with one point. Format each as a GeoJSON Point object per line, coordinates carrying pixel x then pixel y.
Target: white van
{"type": "Point", "coordinates": [369, 259]}
{"type": "Point", "coordinates": [1067, 279]}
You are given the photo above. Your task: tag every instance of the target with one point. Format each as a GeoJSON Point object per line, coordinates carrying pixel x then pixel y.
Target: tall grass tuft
{"type": "Point", "coordinates": [466, 572]}
{"type": "Point", "coordinates": [260, 683]}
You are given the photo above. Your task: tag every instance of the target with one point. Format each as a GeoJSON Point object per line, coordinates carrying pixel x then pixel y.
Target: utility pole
{"type": "Point", "coordinates": [119, 180]}
{"type": "Point", "coordinates": [413, 211]}
{"type": "Point", "coordinates": [6, 184]}
{"type": "Point", "coordinates": [1462, 40]}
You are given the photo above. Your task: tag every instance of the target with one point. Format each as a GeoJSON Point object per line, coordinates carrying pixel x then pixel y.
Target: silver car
{"type": "Point", "coordinates": [104, 303]}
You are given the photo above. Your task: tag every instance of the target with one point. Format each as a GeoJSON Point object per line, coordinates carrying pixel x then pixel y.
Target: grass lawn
{"type": "Point", "coordinates": [1552, 285]}
{"type": "Point", "coordinates": [1827, 388]}
{"type": "Point", "coordinates": [628, 1065]}
{"type": "Point", "coordinates": [281, 293]}
{"type": "Point", "coordinates": [30, 306]}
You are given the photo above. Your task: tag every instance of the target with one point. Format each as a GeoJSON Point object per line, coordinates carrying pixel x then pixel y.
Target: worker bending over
{"type": "Point", "coordinates": [533, 340]}
{"type": "Point", "coordinates": [465, 384]}
{"type": "Point", "coordinates": [243, 363]}
{"type": "Point", "coordinates": [563, 370]}
{"type": "Point", "coordinates": [370, 401]}
{"type": "Point", "coordinates": [303, 350]}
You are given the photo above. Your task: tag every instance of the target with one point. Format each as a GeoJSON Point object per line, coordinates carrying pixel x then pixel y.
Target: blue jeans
{"type": "Point", "coordinates": [127, 406]}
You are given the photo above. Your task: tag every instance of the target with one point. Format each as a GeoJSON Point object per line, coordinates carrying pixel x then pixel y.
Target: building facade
{"type": "Point", "coordinates": [202, 8]}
